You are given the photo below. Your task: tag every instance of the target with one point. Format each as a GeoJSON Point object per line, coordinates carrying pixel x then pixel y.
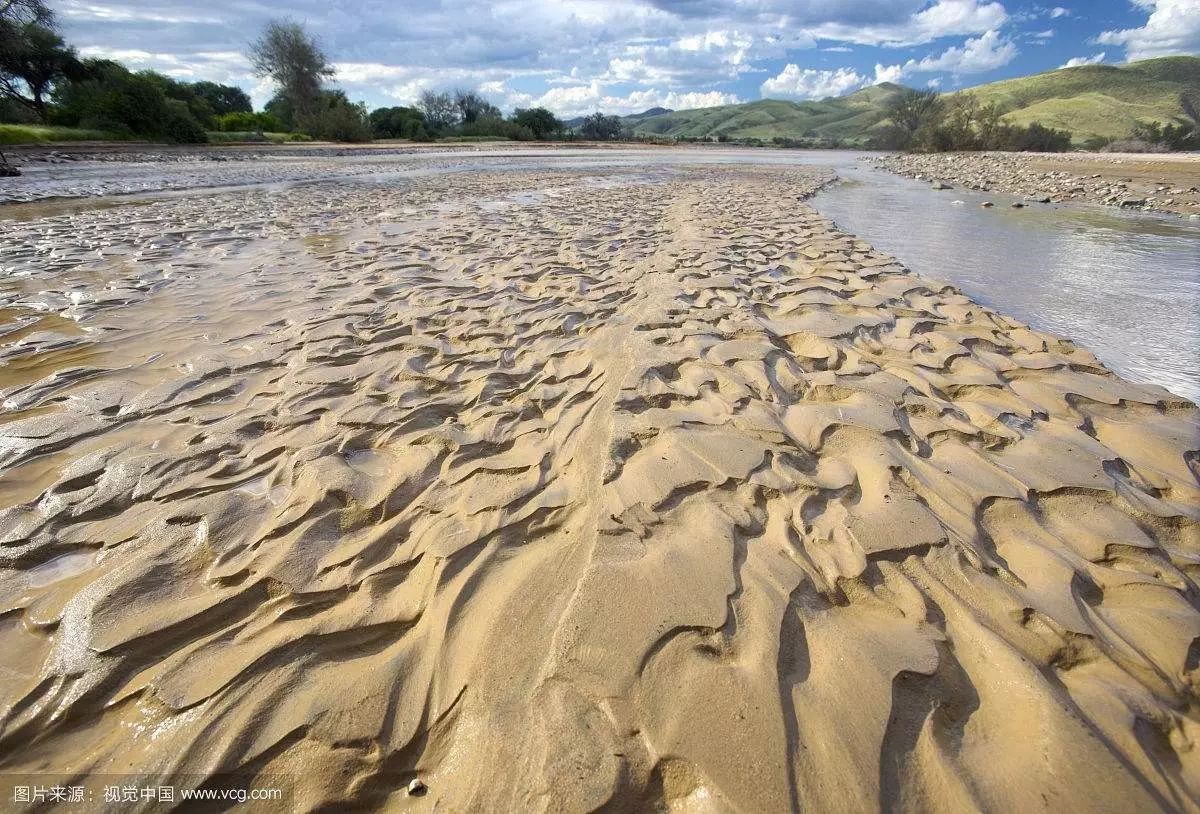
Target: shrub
{"type": "Point", "coordinates": [397, 122]}
{"type": "Point", "coordinates": [336, 118]}
{"type": "Point", "coordinates": [249, 122]}
{"type": "Point", "coordinates": [114, 100]}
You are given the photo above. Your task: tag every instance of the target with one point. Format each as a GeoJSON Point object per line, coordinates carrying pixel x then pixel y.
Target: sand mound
{"type": "Point", "coordinates": [638, 491]}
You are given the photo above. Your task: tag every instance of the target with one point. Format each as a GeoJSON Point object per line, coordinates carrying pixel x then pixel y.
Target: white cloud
{"type": "Point", "coordinates": [1173, 27]}
{"type": "Point", "coordinates": [1043, 35]}
{"type": "Point", "coordinates": [1059, 11]}
{"type": "Point", "coordinates": [888, 73]}
{"type": "Point", "coordinates": [936, 82]}
{"type": "Point", "coordinates": [978, 55]}
{"type": "Point", "coordinates": [579, 100]}
{"type": "Point", "coordinates": [1075, 62]}
{"type": "Point", "coordinates": [794, 82]}
{"type": "Point", "coordinates": [944, 18]}
{"type": "Point", "coordinates": [576, 55]}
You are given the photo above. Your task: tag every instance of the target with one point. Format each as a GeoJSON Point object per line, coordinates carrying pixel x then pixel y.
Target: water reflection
{"type": "Point", "coordinates": [1126, 286]}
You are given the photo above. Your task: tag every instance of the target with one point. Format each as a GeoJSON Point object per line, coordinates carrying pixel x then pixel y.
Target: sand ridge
{"type": "Point", "coordinates": [567, 490]}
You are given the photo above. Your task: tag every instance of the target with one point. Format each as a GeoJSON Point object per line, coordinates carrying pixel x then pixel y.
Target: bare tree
{"type": "Point", "coordinates": [21, 12]}
{"type": "Point", "coordinates": [439, 109]}
{"type": "Point", "coordinates": [294, 60]}
{"type": "Point", "coordinates": [472, 107]}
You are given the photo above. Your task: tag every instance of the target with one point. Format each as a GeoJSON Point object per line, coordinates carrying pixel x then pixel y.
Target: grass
{"type": "Point", "coordinates": [1099, 100]}
{"type": "Point", "coordinates": [219, 137]}
{"type": "Point", "coordinates": [38, 134]}
{"type": "Point", "coordinates": [469, 139]}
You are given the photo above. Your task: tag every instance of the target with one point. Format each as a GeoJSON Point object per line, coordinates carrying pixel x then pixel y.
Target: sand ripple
{"type": "Point", "coordinates": [632, 491]}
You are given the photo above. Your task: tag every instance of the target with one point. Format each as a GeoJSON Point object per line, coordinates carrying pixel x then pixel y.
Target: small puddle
{"type": "Point", "coordinates": [60, 568]}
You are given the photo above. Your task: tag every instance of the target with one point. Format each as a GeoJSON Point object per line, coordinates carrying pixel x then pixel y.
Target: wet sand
{"type": "Point", "coordinates": [561, 489]}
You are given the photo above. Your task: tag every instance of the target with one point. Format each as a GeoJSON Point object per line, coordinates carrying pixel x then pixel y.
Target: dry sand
{"type": "Point", "coordinates": [639, 491]}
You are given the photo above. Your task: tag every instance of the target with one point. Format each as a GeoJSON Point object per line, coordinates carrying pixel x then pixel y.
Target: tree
{"type": "Point", "coordinates": [293, 60]}
{"type": "Point", "coordinates": [336, 118]}
{"type": "Point", "coordinates": [110, 98]}
{"type": "Point", "coordinates": [23, 12]}
{"type": "Point", "coordinates": [223, 99]}
{"type": "Point", "coordinates": [910, 111]}
{"type": "Point", "coordinates": [280, 107]}
{"type": "Point", "coordinates": [440, 111]}
{"type": "Point", "coordinates": [540, 121]}
{"type": "Point", "coordinates": [472, 107]}
{"type": "Point", "coordinates": [184, 93]}
{"type": "Point", "coordinates": [32, 59]}
{"type": "Point", "coordinates": [397, 122]}
{"type": "Point", "coordinates": [600, 127]}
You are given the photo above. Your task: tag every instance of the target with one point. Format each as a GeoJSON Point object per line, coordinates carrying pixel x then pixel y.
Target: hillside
{"type": "Point", "coordinates": [1100, 100]}
{"type": "Point", "coordinates": [1089, 101]}
{"type": "Point", "coordinates": [851, 118]}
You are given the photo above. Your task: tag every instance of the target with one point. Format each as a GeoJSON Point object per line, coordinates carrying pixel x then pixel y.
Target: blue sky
{"type": "Point", "coordinates": [623, 56]}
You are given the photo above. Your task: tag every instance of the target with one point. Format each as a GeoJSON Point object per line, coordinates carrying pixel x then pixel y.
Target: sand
{"type": "Point", "coordinates": [577, 489]}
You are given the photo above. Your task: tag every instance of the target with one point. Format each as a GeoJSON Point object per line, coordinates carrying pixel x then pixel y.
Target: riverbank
{"type": "Point", "coordinates": [1150, 182]}
{"type": "Point", "coordinates": [561, 486]}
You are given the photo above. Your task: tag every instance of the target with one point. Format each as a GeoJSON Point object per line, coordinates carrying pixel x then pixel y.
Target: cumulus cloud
{"type": "Point", "coordinates": [1075, 62]}
{"type": "Point", "coordinates": [943, 18]}
{"type": "Point", "coordinates": [977, 55]}
{"type": "Point", "coordinates": [571, 55]}
{"type": "Point", "coordinates": [1058, 11]}
{"type": "Point", "coordinates": [579, 100]}
{"type": "Point", "coordinates": [1173, 27]}
{"type": "Point", "coordinates": [794, 82]}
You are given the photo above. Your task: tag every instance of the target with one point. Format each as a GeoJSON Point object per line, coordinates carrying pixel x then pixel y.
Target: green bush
{"type": "Point", "coordinates": [249, 122]}
{"type": "Point", "coordinates": [336, 118]}
{"type": "Point", "coordinates": [397, 122]}
{"type": "Point", "coordinates": [114, 100]}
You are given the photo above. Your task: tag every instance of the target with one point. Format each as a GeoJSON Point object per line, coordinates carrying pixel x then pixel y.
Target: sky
{"type": "Point", "coordinates": [624, 56]}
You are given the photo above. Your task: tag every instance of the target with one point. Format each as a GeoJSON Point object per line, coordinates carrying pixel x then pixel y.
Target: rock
{"type": "Point", "coordinates": [8, 171]}
{"type": "Point", "coordinates": [416, 788]}
{"type": "Point", "coordinates": [987, 204]}
{"type": "Point", "coordinates": [940, 185]}
{"type": "Point", "coordinates": [1018, 205]}
{"type": "Point", "coordinates": [1039, 199]}
{"type": "Point", "coordinates": [1131, 202]}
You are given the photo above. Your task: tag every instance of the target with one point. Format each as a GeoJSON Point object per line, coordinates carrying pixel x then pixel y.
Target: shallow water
{"type": "Point", "coordinates": [1124, 285]}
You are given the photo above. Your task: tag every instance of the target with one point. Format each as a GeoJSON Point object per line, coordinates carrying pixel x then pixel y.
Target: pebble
{"type": "Point", "coordinates": [1014, 173]}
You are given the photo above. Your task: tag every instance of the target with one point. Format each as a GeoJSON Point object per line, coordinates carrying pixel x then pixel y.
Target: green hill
{"type": "Point", "coordinates": [1089, 101]}
{"type": "Point", "coordinates": [851, 118]}
{"type": "Point", "coordinates": [1100, 100]}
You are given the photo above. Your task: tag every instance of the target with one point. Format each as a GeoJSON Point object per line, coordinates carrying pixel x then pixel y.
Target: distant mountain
{"type": "Point", "coordinates": [575, 123]}
{"type": "Point", "coordinates": [1089, 101]}
{"type": "Point", "coordinates": [851, 117]}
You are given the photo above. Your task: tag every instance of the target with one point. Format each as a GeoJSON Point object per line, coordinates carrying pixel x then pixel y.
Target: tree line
{"type": "Point", "coordinates": [43, 81]}
{"type": "Point", "coordinates": [928, 122]}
